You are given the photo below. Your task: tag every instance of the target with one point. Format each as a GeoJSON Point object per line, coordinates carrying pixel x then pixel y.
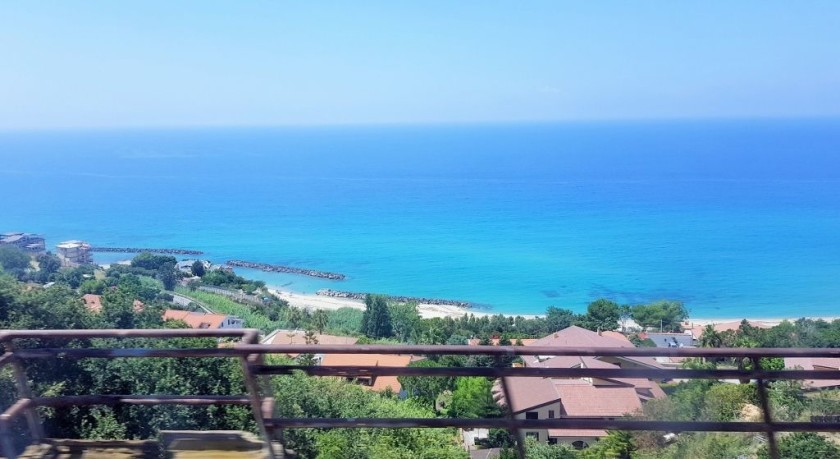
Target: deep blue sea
{"type": "Point", "coordinates": [735, 218]}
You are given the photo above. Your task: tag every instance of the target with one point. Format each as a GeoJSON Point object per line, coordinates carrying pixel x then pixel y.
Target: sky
{"type": "Point", "coordinates": [68, 64]}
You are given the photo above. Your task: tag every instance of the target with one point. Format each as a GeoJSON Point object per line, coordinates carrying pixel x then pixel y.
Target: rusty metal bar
{"type": "Point", "coordinates": [77, 353]}
{"type": "Point", "coordinates": [514, 431]}
{"type": "Point", "coordinates": [254, 393]}
{"type": "Point", "coordinates": [658, 374]}
{"type": "Point", "coordinates": [764, 400]}
{"type": "Point", "coordinates": [557, 423]}
{"type": "Point", "coordinates": [200, 400]}
{"type": "Point", "coordinates": [7, 442]}
{"type": "Point", "coordinates": [17, 408]}
{"type": "Point", "coordinates": [537, 350]}
{"type": "Point", "coordinates": [33, 420]}
{"type": "Point", "coordinates": [6, 335]}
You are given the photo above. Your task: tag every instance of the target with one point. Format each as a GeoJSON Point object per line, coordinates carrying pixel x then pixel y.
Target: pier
{"type": "Point", "coordinates": [144, 249]}
{"type": "Point", "coordinates": [286, 269]}
{"type": "Point", "coordinates": [396, 298]}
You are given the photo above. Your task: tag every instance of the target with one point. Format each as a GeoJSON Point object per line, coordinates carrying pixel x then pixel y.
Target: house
{"type": "Point", "coordinates": [28, 242]}
{"type": "Point", "coordinates": [94, 303]}
{"type": "Point", "coordinates": [283, 336]}
{"type": "Point", "coordinates": [548, 398]}
{"type": "Point", "coordinates": [377, 383]}
{"type": "Point", "coordinates": [74, 253]}
{"type": "Point", "coordinates": [697, 330]}
{"type": "Point", "coordinates": [818, 364]}
{"type": "Point", "coordinates": [203, 320]}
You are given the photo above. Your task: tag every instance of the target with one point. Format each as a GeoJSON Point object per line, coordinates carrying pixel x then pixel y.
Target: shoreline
{"type": "Point", "coordinates": [428, 311]}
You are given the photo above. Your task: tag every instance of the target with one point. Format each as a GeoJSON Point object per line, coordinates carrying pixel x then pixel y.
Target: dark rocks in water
{"type": "Point", "coordinates": [397, 298]}
{"type": "Point", "coordinates": [286, 269]}
{"type": "Point", "coordinates": [143, 249]}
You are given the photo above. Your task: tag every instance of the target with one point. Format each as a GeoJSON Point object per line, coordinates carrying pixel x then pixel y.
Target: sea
{"type": "Point", "coordinates": [735, 218]}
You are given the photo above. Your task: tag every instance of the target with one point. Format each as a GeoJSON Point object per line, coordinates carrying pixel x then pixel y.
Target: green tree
{"type": "Point", "coordinates": [804, 445]}
{"type": "Point", "coordinates": [320, 320]}
{"type": "Point", "coordinates": [558, 319]}
{"type": "Point", "coordinates": [473, 398]}
{"type": "Point", "coordinates": [152, 262]}
{"type": "Point", "coordinates": [376, 321]}
{"type": "Point", "coordinates": [601, 315]}
{"type": "Point", "coordinates": [665, 315]}
{"type": "Point", "coordinates": [616, 445]}
{"type": "Point", "coordinates": [198, 268]}
{"type": "Point", "coordinates": [13, 260]}
{"type": "Point", "coordinates": [404, 320]}
{"type": "Point", "coordinates": [426, 389]}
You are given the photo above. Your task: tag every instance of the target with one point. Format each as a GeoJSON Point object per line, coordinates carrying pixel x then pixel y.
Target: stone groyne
{"type": "Point", "coordinates": [143, 249]}
{"type": "Point", "coordinates": [396, 298]}
{"type": "Point", "coordinates": [286, 269]}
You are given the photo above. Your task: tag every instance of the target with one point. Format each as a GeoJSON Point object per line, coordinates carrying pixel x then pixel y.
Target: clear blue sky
{"type": "Point", "coordinates": [170, 63]}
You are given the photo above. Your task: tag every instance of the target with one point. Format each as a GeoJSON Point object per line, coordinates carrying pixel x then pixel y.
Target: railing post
{"type": "Point", "coordinates": [6, 440]}
{"type": "Point", "coordinates": [514, 432]}
{"type": "Point", "coordinates": [254, 391]}
{"type": "Point", "coordinates": [765, 408]}
{"type": "Point", "coordinates": [33, 420]}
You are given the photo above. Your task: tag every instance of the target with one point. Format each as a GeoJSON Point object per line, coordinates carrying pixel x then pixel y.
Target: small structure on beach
{"type": "Point", "coordinates": [74, 253]}
{"type": "Point", "coordinates": [28, 242]}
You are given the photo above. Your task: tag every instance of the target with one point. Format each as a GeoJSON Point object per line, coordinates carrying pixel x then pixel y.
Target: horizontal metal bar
{"type": "Point", "coordinates": [558, 423]}
{"type": "Point", "coordinates": [141, 400]}
{"type": "Point", "coordinates": [656, 374]}
{"type": "Point", "coordinates": [78, 353]}
{"type": "Point", "coordinates": [536, 350]}
{"type": "Point", "coordinates": [6, 335]}
{"type": "Point", "coordinates": [17, 408]}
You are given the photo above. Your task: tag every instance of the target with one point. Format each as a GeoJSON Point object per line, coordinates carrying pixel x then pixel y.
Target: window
{"type": "Point", "coordinates": [534, 435]}
{"type": "Point", "coordinates": [550, 414]}
{"type": "Point", "coordinates": [552, 441]}
{"type": "Point", "coordinates": [532, 415]}
{"type": "Point", "coordinates": [580, 444]}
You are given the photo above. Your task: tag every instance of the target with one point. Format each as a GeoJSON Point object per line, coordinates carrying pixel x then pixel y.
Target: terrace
{"type": "Point", "coordinates": [24, 413]}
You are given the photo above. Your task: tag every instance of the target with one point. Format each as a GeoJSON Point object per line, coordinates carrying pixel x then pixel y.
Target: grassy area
{"type": "Point", "coordinates": [223, 305]}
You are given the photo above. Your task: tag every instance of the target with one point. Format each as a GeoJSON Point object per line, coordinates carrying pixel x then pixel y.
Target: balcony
{"type": "Point", "coordinates": [24, 413]}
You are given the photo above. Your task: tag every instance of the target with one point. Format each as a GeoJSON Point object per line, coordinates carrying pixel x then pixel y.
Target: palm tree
{"type": "Point", "coordinates": [320, 319]}
{"type": "Point", "coordinates": [710, 337]}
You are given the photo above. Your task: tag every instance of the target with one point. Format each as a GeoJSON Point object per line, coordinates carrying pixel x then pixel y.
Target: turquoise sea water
{"type": "Point", "coordinates": [737, 218]}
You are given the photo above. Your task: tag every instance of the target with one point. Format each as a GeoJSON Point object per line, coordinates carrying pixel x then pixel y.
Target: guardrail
{"type": "Point", "coordinates": [251, 355]}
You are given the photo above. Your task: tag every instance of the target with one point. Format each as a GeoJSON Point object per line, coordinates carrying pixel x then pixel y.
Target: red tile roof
{"type": "Point", "coordinates": [93, 302]}
{"type": "Point", "coordinates": [591, 397]}
{"type": "Point", "coordinates": [195, 319]}
{"type": "Point", "coordinates": [282, 336]}
{"type": "Point", "coordinates": [816, 363]}
{"type": "Point", "coordinates": [382, 360]}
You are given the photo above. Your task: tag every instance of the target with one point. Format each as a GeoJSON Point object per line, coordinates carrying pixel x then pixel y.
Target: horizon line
{"type": "Point", "coordinates": [442, 123]}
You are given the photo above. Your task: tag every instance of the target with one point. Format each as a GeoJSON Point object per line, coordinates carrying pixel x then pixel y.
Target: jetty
{"type": "Point", "coordinates": [146, 249]}
{"type": "Point", "coordinates": [286, 269]}
{"type": "Point", "coordinates": [396, 298]}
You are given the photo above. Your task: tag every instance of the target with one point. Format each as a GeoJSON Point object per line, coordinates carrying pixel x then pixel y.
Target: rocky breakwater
{"type": "Point", "coordinates": [144, 249]}
{"type": "Point", "coordinates": [286, 269]}
{"type": "Point", "coordinates": [395, 298]}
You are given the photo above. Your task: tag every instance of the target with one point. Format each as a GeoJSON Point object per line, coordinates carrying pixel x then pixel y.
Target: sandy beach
{"type": "Point", "coordinates": [427, 311]}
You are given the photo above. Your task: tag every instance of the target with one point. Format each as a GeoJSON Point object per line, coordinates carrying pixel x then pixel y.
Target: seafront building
{"type": "Point", "coordinates": [28, 242]}
{"type": "Point", "coordinates": [74, 253]}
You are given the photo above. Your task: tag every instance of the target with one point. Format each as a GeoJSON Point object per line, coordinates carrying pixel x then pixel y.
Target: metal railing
{"type": "Point", "coordinates": [251, 355]}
